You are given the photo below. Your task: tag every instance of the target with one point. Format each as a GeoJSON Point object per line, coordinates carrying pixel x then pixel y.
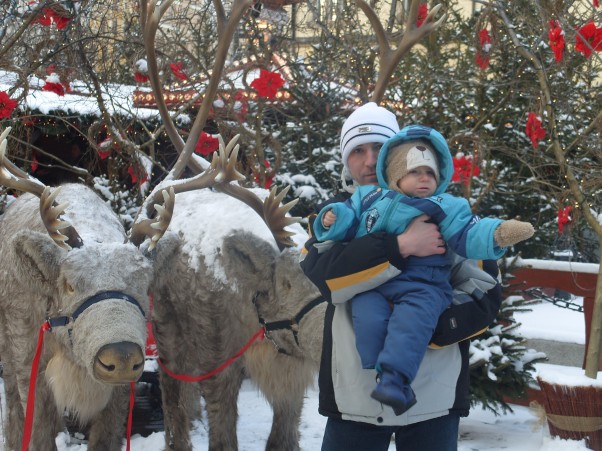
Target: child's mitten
{"type": "Point", "coordinates": [512, 231]}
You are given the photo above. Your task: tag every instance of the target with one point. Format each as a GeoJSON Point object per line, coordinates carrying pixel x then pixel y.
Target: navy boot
{"type": "Point", "coordinates": [394, 391]}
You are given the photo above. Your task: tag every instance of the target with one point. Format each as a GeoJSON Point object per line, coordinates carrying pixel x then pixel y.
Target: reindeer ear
{"type": "Point", "coordinates": [248, 259]}
{"type": "Point", "coordinates": [165, 252]}
{"type": "Point", "coordinates": [36, 259]}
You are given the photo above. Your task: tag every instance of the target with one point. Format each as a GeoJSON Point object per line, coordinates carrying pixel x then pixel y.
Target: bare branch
{"type": "Point", "coordinates": [389, 58]}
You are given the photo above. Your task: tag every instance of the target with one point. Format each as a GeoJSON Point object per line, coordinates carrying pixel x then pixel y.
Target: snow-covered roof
{"type": "Point", "coordinates": [118, 98]}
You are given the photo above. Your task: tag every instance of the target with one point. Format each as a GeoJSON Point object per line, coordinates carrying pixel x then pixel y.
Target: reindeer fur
{"type": "Point", "coordinates": [204, 313]}
{"type": "Point", "coordinates": [40, 280]}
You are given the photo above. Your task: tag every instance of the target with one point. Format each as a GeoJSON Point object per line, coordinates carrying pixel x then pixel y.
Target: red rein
{"type": "Point", "coordinates": [259, 335]}
{"type": "Point", "coordinates": [31, 396]}
{"type": "Point", "coordinates": [27, 428]}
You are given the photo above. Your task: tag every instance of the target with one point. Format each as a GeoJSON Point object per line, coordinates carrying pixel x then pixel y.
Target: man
{"type": "Point", "coordinates": [341, 270]}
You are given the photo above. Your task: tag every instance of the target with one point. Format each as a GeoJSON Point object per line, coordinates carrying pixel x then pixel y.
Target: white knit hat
{"type": "Point", "coordinates": [368, 124]}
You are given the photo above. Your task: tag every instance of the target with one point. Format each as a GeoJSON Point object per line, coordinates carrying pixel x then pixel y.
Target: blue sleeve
{"type": "Point", "coordinates": [466, 233]}
{"type": "Point", "coordinates": [343, 228]}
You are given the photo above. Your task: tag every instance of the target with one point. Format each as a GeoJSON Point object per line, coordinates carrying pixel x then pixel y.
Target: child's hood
{"type": "Point", "coordinates": [416, 132]}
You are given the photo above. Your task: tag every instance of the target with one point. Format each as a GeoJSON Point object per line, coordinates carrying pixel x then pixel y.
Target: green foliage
{"type": "Point", "coordinates": [500, 367]}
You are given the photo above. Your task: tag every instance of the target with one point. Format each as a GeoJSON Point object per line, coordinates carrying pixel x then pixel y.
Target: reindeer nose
{"type": "Point", "coordinates": [119, 363]}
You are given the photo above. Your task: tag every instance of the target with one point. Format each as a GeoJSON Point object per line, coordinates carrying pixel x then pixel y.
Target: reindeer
{"type": "Point", "coordinates": [225, 287]}
{"type": "Point", "coordinates": [88, 284]}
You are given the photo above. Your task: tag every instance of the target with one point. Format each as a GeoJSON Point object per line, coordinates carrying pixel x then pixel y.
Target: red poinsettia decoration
{"type": "Point", "coordinates": [140, 78]}
{"type": "Point", "coordinates": [136, 177]}
{"type": "Point", "coordinates": [105, 148]}
{"type": "Point", "coordinates": [556, 39]}
{"type": "Point", "coordinates": [140, 71]}
{"type": "Point", "coordinates": [48, 17]}
{"type": "Point", "coordinates": [482, 57]}
{"type": "Point", "coordinates": [53, 84]}
{"type": "Point", "coordinates": [206, 144]}
{"type": "Point", "coordinates": [464, 169]}
{"type": "Point", "coordinates": [596, 4]}
{"type": "Point", "coordinates": [7, 105]}
{"type": "Point", "coordinates": [589, 38]}
{"type": "Point", "coordinates": [268, 180]}
{"type": "Point", "coordinates": [564, 217]}
{"type": "Point", "coordinates": [34, 164]}
{"type": "Point", "coordinates": [534, 130]}
{"type": "Point", "coordinates": [423, 11]}
{"type": "Point", "coordinates": [176, 69]}
{"type": "Point", "coordinates": [267, 84]}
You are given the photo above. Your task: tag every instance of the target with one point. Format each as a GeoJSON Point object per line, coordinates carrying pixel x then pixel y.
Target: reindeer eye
{"type": "Point", "coordinates": [69, 288]}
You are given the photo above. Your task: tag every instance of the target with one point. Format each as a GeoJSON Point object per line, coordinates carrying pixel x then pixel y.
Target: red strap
{"type": "Point", "coordinates": [259, 335]}
{"type": "Point", "coordinates": [31, 396]}
{"type": "Point", "coordinates": [128, 433]}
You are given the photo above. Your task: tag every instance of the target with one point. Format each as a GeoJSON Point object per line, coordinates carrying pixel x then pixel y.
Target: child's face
{"type": "Point", "coordinates": [419, 182]}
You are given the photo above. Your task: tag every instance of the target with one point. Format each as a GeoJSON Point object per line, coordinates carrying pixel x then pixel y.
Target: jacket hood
{"type": "Point", "coordinates": [411, 133]}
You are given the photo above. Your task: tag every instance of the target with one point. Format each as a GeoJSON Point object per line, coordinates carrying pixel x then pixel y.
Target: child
{"type": "Point", "coordinates": [414, 168]}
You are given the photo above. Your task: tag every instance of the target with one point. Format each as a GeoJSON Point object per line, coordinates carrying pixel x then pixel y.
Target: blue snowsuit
{"type": "Point", "coordinates": [396, 338]}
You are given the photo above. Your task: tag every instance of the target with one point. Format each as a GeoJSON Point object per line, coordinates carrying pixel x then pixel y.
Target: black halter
{"type": "Point", "coordinates": [285, 324]}
{"type": "Point", "coordinates": [98, 297]}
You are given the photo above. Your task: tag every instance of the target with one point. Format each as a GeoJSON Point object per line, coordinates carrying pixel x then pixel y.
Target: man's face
{"type": "Point", "coordinates": [362, 163]}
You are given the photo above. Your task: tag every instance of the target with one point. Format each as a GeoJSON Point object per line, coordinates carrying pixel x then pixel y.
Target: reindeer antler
{"type": "Point", "coordinates": [156, 227]}
{"type": "Point", "coordinates": [388, 57]}
{"type": "Point", "coordinates": [63, 233]}
{"type": "Point", "coordinates": [222, 170]}
{"type": "Point", "coordinates": [226, 26]}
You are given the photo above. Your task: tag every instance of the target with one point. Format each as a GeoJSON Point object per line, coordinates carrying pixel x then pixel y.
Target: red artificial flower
{"type": "Point", "coordinates": [268, 180]}
{"type": "Point", "coordinates": [28, 121]}
{"type": "Point", "coordinates": [464, 169]}
{"type": "Point", "coordinates": [176, 69]}
{"type": "Point", "coordinates": [482, 60]}
{"type": "Point", "coordinates": [48, 17]}
{"type": "Point", "coordinates": [7, 105]}
{"type": "Point", "coordinates": [589, 38]}
{"type": "Point", "coordinates": [482, 57]}
{"type": "Point", "coordinates": [534, 130]}
{"type": "Point", "coordinates": [104, 154]}
{"type": "Point", "coordinates": [596, 4]}
{"type": "Point", "coordinates": [556, 39]}
{"type": "Point", "coordinates": [45, 18]}
{"type": "Point", "coordinates": [485, 40]}
{"type": "Point", "coordinates": [61, 22]}
{"type": "Point", "coordinates": [53, 84]}
{"type": "Point", "coordinates": [564, 217]}
{"type": "Point", "coordinates": [135, 177]}
{"type": "Point", "coordinates": [105, 148]}
{"type": "Point", "coordinates": [206, 144]}
{"type": "Point", "coordinates": [267, 84]}
{"type": "Point", "coordinates": [34, 164]}
{"type": "Point", "coordinates": [140, 78]}
{"type": "Point", "coordinates": [422, 13]}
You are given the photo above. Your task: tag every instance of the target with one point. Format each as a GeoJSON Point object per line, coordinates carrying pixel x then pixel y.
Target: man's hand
{"type": "Point", "coordinates": [328, 219]}
{"type": "Point", "coordinates": [421, 239]}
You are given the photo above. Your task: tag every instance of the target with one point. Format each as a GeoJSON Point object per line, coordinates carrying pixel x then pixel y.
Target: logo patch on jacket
{"type": "Point", "coordinates": [371, 219]}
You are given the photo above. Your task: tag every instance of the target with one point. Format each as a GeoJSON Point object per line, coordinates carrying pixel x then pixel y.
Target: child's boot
{"type": "Point", "coordinates": [394, 391]}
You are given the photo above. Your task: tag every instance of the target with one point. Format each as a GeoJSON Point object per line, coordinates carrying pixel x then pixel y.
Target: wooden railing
{"type": "Point", "coordinates": [575, 278]}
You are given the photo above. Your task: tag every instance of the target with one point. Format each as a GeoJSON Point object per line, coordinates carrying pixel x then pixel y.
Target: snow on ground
{"type": "Point", "coordinates": [522, 430]}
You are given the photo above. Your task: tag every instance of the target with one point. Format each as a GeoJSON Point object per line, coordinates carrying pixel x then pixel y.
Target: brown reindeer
{"type": "Point", "coordinates": [224, 287]}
